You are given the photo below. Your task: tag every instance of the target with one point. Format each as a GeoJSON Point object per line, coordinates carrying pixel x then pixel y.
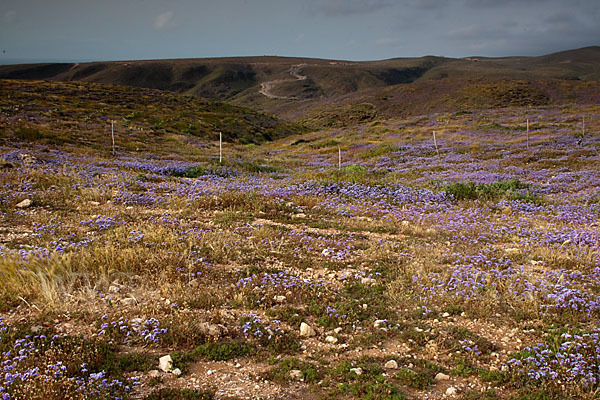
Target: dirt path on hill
{"type": "Point", "coordinates": [266, 87]}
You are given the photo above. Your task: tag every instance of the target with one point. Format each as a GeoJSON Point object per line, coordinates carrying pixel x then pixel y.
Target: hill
{"type": "Point", "coordinates": [58, 112]}
{"type": "Point", "coordinates": [265, 83]}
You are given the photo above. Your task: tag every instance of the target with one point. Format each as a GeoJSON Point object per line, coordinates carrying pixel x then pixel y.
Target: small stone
{"type": "Point", "coordinates": [25, 203]}
{"type": "Point", "coordinates": [327, 252]}
{"type": "Point", "coordinates": [306, 330]}
{"type": "Point", "coordinates": [209, 329]}
{"type": "Point", "coordinates": [238, 365]}
{"type": "Point", "coordinates": [512, 251]}
{"type": "Point", "coordinates": [165, 363]}
{"type": "Point", "coordinates": [331, 339]}
{"type": "Point", "coordinates": [209, 372]}
{"type": "Point", "coordinates": [445, 315]}
{"type": "Point", "coordinates": [296, 375]}
{"type": "Point", "coordinates": [368, 281]}
{"type": "Point", "coordinates": [299, 215]}
{"type": "Point", "coordinates": [338, 330]}
{"type": "Point", "coordinates": [451, 391]}
{"type": "Point", "coordinates": [176, 372]}
{"type": "Point", "coordinates": [129, 301]}
{"type": "Point", "coordinates": [154, 373]}
{"type": "Point", "coordinates": [94, 203]}
{"type": "Point", "coordinates": [392, 364]}
{"type": "Point", "coordinates": [357, 371]}
{"type": "Point", "coordinates": [114, 288]}
{"type": "Point", "coordinates": [378, 323]}
{"type": "Point", "coordinates": [279, 299]}
{"type": "Point", "coordinates": [442, 377]}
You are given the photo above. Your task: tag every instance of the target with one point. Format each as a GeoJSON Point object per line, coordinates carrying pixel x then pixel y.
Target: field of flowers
{"type": "Point", "coordinates": [400, 273]}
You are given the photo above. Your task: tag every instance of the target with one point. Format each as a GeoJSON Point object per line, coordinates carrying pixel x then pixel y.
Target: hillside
{"type": "Point", "coordinates": [242, 80]}
{"type": "Point", "coordinates": [438, 96]}
{"type": "Point", "coordinates": [56, 112]}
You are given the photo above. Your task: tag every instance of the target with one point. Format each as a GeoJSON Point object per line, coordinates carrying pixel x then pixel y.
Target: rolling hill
{"type": "Point", "coordinates": [347, 92]}
{"type": "Point", "coordinates": [150, 119]}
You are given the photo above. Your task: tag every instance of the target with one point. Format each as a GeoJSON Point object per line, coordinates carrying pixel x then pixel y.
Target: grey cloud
{"type": "Point", "coordinates": [476, 31]}
{"type": "Point", "coordinates": [163, 20]}
{"type": "Point", "coordinates": [332, 8]}
{"type": "Point", "coordinates": [500, 3]}
{"type": "Point", "coordinates": [10, 16]}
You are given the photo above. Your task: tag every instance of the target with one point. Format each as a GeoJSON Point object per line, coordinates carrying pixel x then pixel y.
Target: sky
{"type": "Point", "coordinates": [85, 30]}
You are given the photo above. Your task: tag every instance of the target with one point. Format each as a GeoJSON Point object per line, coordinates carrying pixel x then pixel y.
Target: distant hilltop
{"type": "Point", "coordinates": [291, 86]}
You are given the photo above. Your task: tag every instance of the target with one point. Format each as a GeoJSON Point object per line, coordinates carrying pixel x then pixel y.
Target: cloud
{"type": "Point", "coordinates": [476, 31]}
{"type": "Point", "coordinates": [10, 16]}
{"type": "Point", "coordinates": [163, 20]}
{"type": "Point", "coordinates": [500, 4]}
{"type": "Point", "coordinates": [389, 42]}
{"type": "Point", "coordinates": [333, 8]}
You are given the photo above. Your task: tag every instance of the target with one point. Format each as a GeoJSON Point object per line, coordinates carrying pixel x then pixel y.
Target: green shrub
{"type": "Point", "coordinates": [310, 372]}
{"type": "Point", "coordinates": [508, 189]}
{"type": "Point", "coordinates": [213, 351]}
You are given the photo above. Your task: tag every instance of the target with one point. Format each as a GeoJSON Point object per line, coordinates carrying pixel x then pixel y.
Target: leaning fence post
{"type": "Point", "coordinates": [339, 158]}
{"type": "Point", "coordinates": [435, 144]}
{"type": "Point", "coordinates": [112, 134]}
{"type": "Point", "coordinates": [527, 133]}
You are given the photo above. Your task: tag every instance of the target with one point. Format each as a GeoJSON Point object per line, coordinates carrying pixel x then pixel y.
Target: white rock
{"type": "Point", "coordinates": [165, 363]}
{"type": "Point", "coordinates": [296, 375]}
{"type": "Point", "coordinates": [392, 364]}
{"type": "Point", "coordinates": [445, 315]}
{"type": "Point", "coordinates": [209, 372]}
{"type": "Point", "coordinates": [368, 281]}
{"type": "Point", "coordinates": [357, 371]}
{"type": "Point", "coordinates": [378, 323]}
{"type": "Point", "coordinates": [154, 373]}
{"type": "Point", "coordinates": [441, 377]}
{"type": "Point", "coordinates": [94, 203]}
{"type": "Point", "coordinates": [129, 301]}
{"type": "Point", "coordinates": [327, 252]}
{"type": "Point", "coordinates": [25, 203]}
{"type": "Point", "coordinates": [451, 391]}
{"type": "Point", "coordinates": [279, 299]}
{"type": "Point", "coordinates": [115, 288]}
{"type": "Point", "coordinates": [338, 330]}
{"type": "Point", "coordinates": [209, 329]}
{"type": "Point", "coordinates": [331, 339]}
{"type": "Point", "coordinates": [176, 372]}
{"type": "Point", "coordinates": [306, 330]}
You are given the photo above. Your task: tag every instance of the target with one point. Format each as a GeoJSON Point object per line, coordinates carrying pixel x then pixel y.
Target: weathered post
{"type": "Point", "coordinates": [527, 133]}
{"type": "Point", "coordinates": [220, 148]}
{"type": "Point", "coordinates": [339, 158]}
{"type": "Point", "coordinates": [112, 134]}
{"type": "Point", "coordinates": [435, 144]}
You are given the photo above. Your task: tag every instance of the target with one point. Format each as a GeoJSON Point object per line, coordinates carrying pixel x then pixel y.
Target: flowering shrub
{"type": "Point", "coordinates": [128, 331]}
{"type": "Point", "coordinates": [573, 360]}
{"type": "Point", "coordinates": [56, 367]}
{"type": "Point", "coordinates": [269, 335]}
{"type": "Point", "coordinates": [263, 289]}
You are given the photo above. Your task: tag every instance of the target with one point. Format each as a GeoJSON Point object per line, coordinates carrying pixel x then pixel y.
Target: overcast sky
{"type": "Point", "coordinates": [79, 30]}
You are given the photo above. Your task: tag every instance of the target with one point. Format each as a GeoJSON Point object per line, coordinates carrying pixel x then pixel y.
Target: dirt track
{"type": "Point", "coordinates": [266, 87]}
